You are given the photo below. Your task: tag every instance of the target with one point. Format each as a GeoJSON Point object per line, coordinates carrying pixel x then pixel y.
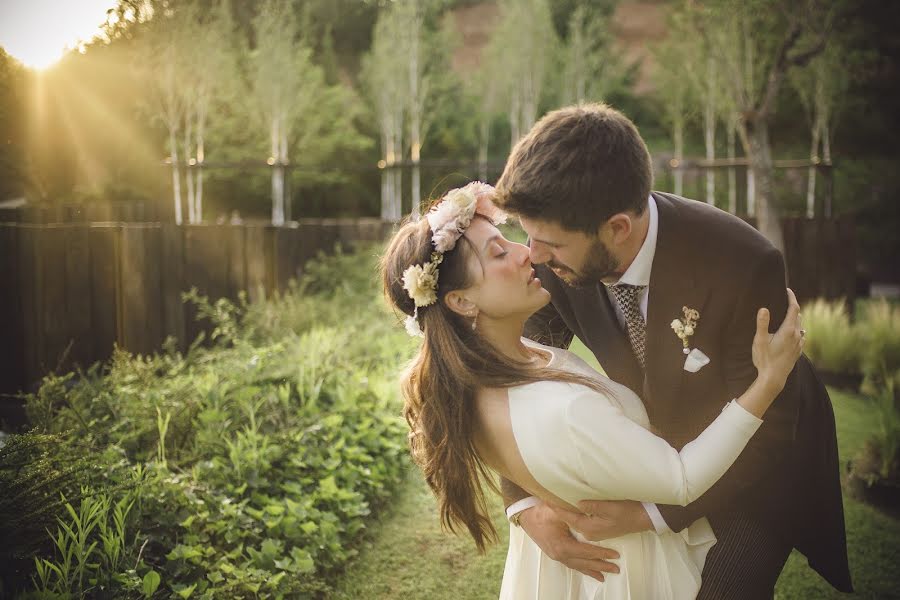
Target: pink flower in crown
{"type": "Point", "coordinates": [450, 218]}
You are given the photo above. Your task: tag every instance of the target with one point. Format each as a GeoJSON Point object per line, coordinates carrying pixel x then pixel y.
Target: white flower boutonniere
{"type": "Point", "coordinates": [684, 328]}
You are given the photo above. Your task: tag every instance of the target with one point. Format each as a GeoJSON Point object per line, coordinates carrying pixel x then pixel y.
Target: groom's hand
{"type": "Point", "coordinates": [605, 519]}
{"type": "Point", "coordinates": [552, 535]}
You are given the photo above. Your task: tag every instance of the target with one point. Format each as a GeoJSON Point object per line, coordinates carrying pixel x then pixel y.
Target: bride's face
{"type": "Point", "coordinates": [505, 285]}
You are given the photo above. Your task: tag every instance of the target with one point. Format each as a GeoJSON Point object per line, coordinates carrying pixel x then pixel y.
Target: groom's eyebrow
{"type": "Point", "coordinates": [554, 244]}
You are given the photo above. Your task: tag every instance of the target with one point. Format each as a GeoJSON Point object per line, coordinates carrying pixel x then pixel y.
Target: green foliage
{"type": "Point", "coordinates": [879, 326]}
{"type": "Point", "coordinates": [244, 470]}
{"type": "Point", "coordinates": [832, 343]}
{"type": "Point", "coordinates": [887, 438]}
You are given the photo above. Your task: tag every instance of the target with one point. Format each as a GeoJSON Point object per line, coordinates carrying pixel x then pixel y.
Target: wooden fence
{"type": "Point", "coordinates": [70, 291]}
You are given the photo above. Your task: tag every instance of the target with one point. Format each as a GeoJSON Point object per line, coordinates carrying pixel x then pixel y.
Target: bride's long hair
{"type": "Point", "coordinates": [440, 384]}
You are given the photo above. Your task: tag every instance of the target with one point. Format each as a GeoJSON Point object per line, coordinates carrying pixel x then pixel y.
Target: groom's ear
{"type": "Point", "coordinates": [618, 227]}
{"type": "Point", "coordinates": [459, 303]}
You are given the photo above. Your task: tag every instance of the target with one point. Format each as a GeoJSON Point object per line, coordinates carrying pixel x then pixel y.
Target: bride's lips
{"type": "Point", "coordinates": [532, 277]}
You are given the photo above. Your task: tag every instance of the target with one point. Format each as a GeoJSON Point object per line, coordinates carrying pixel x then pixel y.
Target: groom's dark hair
{"type": "Point", "coordinates": [577, 167]}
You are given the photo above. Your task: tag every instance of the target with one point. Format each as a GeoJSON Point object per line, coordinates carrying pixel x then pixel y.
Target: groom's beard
{"type": "Point", "coordinates": [600, 264]}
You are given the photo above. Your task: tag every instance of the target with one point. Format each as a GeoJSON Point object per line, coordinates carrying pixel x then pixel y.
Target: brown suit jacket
{"type": "Point", "coordinates": [788, 476]}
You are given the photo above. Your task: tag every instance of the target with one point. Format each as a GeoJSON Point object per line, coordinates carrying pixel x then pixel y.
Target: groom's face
{"type": "Point", "coordinates": [577, 258]}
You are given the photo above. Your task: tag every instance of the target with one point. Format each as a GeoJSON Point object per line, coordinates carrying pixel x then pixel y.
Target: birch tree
{"type": "Point", "coordinates": [409, 53]}
{"type": "Point", "coordinates": [760, 41]}
{"type": "Point", "coordinates": [387, 84]}
{"type": "Point", "coordinates": [672, 57]}
{"type": "Point", "coordinates": [822, 89]}
{"type": "Point", "coordinates": [484, 87]}
{"type": "Point", "coordinates": [287, 89]}
{"type": "Point", "coordinates": [209, 63]}
{"type": "Point", "coordinates": [426, 46]}
{"type": "Point", "coordinates": [591, 68]}
{"type": "Point", "coordinates": [160, 56]}
{"type": "Point", "coordinates": [521, 52]}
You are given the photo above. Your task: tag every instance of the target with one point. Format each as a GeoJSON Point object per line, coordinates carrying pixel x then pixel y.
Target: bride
{"type": "Point", "coordinates": [479, 397]}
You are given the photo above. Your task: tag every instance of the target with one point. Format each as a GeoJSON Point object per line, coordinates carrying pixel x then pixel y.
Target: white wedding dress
{"type": "Point", "coordinates": [579, 444]}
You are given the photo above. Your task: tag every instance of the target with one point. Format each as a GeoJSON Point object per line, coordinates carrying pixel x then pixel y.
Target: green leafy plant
{"type": "Point", "coordinates": [832, 342]}
{"type": "Point", "coordinates": [258, 459]}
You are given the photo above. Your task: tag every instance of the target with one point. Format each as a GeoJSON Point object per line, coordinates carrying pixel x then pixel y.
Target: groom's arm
{"type": "Point", "coordinates": [771, 444]}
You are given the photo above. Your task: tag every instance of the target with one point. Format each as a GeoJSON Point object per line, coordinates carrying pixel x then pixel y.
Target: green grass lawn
{"type": "Point", "coordinates": [407, 556]}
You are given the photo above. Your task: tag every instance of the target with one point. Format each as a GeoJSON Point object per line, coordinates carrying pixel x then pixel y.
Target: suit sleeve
{"type": "Point", "coordinates": [547, 327]}
{"type": "Point", "coordinates": [764, 288]}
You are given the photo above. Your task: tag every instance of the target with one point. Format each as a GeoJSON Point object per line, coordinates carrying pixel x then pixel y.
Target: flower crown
{"type": "Point", "coordinates": [448, 220]}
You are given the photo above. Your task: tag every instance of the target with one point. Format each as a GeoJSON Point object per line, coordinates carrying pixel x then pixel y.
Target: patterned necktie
{"type": "Point", "coordinates": [626, 296]}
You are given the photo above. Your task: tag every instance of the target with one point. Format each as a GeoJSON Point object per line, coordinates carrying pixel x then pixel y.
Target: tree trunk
{"type": "Point", "coordinates": [385, 183]}
{"type": "Point", "coordinates": [283, 162]}
{"type": "Point", "coordinates": [811, 175]}
{"type": "Point", "coordinates": [415, 110]}
{"type": "Point", "coordinates": [514, 120]}
{"type": "Point", "coordinates": [678, 134]}
{"type": "Point", "coordinates": [176, 175]}
{"type": "Point", "coordinates": [732, 176]}
{"type": "Point", "coordinates": [198, 198]}
{"type": "Point", "coordinates": [416, 187]}
{"type": "Point", "coordinates": [483, 139]}
{"type": "Point", "coordinates": [277, 182]}
{"type": "Point", "coordinates": [189, 172]}
{"type": "Point", "coordinates": [768, 221]}
{"type": "Point", "coordinates": [751, 192]}
{"type": "Point", "coordinates": [709, 130]}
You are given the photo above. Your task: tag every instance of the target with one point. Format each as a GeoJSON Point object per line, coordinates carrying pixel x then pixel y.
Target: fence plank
{"type": "Point", "coordinates": [256, 243]}
{"type": "Point", "coordinates": [106, 301]}
{"type": "Point", "coordinates": [141, 302]}
{"type": "Point", "coordinates": [236, 263]}
{"type": "Point", "coordinates": [172, 283]}
{"type": "Point", "coordinates": [78, 293]}
{"type": "Point", "coordinates": [53, 327]}
{"type": "Point", "coordinates": [12, 337]}
{"type": "Point", "coordinates": [206, 268]}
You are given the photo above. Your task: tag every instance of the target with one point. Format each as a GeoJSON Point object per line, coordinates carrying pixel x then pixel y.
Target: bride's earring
{"type": "Point", "coordinates": [474, 321]}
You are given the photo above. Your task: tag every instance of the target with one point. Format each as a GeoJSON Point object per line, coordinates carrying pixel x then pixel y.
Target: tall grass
{"type": "Point", "coordinates": [832, 342]}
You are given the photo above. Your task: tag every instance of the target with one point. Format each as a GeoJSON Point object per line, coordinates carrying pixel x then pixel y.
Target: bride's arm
{"type": "Point", "coordinates": [621, 460]}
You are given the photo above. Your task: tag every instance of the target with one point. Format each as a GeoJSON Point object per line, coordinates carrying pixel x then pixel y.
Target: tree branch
{"type": "Point", "coordinates": [779, 68]}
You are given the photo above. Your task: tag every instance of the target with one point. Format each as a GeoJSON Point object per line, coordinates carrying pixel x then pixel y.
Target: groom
{"type": "Point", "coordinates": [622, 263]}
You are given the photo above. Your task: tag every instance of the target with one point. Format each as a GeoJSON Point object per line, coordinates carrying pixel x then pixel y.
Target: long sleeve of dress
{"type": "Point", "coordinates": [619, 459]}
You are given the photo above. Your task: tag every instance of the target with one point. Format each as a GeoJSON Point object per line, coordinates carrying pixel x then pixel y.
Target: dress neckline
{"type": "Point", "coordinates": [544, 349]}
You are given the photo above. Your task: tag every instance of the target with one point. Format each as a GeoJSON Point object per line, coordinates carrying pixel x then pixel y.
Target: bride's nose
{"type": "Point", "coordinates": [524, 255]}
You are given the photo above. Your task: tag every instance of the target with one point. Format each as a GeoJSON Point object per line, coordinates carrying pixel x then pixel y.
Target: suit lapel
{"type": "Point", "coordinates": [673, 285]}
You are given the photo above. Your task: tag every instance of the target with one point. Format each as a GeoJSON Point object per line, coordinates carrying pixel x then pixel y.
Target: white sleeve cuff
{"type": "Point", "coordinates": [659, 524]}
{"type": "Point", "coordinates": [524, 503]}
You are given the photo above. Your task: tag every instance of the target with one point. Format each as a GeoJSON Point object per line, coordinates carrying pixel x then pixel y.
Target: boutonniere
{"type": "Point", "coordinates": [684, 329]}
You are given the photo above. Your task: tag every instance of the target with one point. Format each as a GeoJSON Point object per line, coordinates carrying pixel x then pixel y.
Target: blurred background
{"type": "Point", "coordinates": [200, 110]}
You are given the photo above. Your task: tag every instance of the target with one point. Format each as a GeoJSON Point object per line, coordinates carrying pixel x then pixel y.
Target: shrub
{"type": "Point", "coordinates": [260, 459]}
{"type": "Point", "coordinates": [832, 343]}
{"type": "Point", "coordinates": [879, 332]}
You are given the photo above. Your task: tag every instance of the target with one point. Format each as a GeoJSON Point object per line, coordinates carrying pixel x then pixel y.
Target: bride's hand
{"type": "Point", "coordinates": [774, 355]}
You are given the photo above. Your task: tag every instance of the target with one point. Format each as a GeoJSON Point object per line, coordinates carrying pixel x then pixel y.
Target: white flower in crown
{"type": "Point", "coordinates": [420, 282]}
{"type": "Point", "coordinates": [412, 326]}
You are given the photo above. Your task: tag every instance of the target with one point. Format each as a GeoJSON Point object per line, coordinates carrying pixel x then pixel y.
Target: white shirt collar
{"type": "Point", "coordinates": [638, 273]}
